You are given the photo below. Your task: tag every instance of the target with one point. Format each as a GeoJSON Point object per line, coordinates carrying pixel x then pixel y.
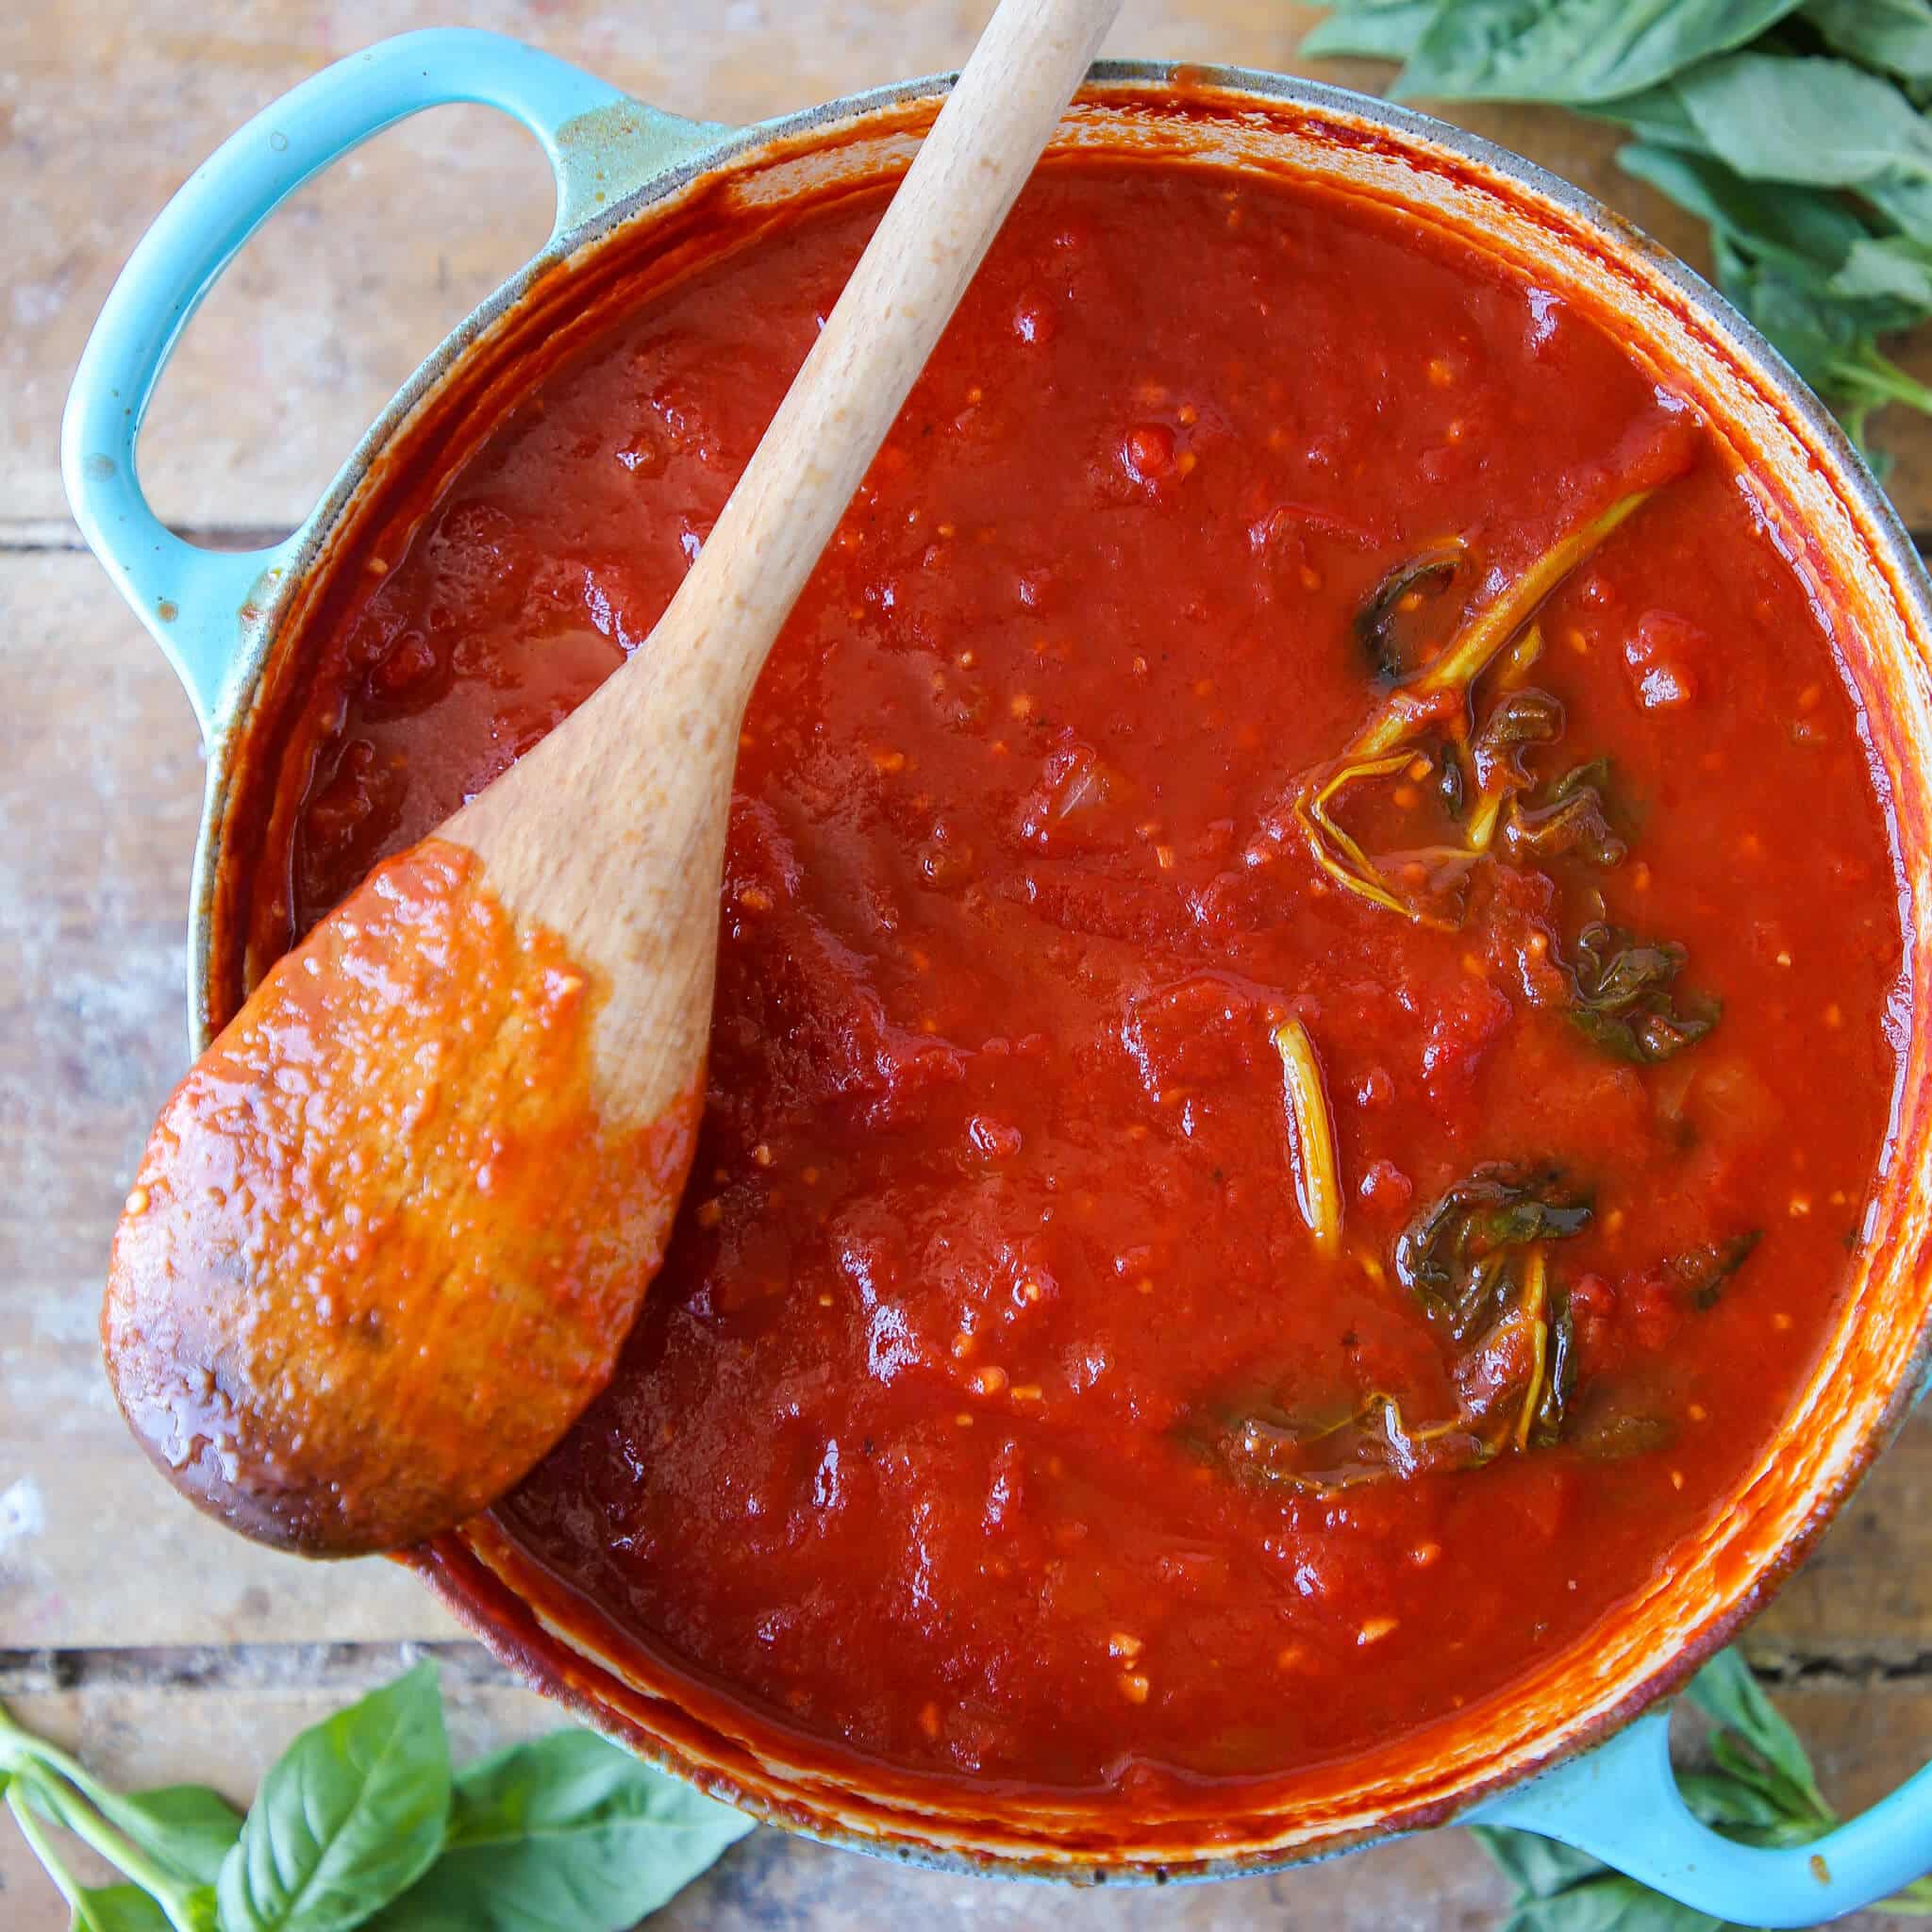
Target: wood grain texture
{"type": "Point", "coordinates": [103, 112]}
{"type": "Point", "coordinates": [100, 782]}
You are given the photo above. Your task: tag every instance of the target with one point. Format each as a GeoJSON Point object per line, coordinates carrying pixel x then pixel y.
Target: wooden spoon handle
{"type": "Point", "coordinates": [612, 831]}
{"type": "Point", "coordinates": [939, 223]}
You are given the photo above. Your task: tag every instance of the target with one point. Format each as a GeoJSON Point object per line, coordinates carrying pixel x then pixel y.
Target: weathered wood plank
{"type": "Point", "coordinates": [1865, 1597]}
{"type": "Point", "coordinates": [224, 1732]}
{"type": "Point", "coordinates": [99, 786]}
{"type": "Point", "coordinates": [325, 313]}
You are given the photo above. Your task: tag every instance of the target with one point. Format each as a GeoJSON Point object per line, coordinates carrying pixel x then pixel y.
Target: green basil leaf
{"type": "Point", "coordinates": [1823, 122]}
{"type": "Point", "coordinates": [568, 1834]}
{"type": "Point", "coordinates": [1727, 1804]}
{"type": "Point", "coordinates": [1895, 35]}
{"type": "Point", "coordinates": [1610, 1904]}
{"type": "Point", "coordinates": [1656, 116]}
{"type": "Point", "coordinates": [187, 1829]}
{"type": "Point", "coordinates": [1888, 270]}
{"type": "Point", "coordinates": [1725, 1690]}
{"type": "Point", "coordinates": [1814, 334]}
{"type": "Point", "coordinates": [1802, 227]}
{"type": "Point", "coordinates": [1379, 30]}
{"type": "Point", "coordinates": [1541, 1866]}
{"type": "Point", "coordinates": [118, 1908]}
{"type": "Point", "coordinates": [1905, 201]}
{"type": "Point", "coordinates": [1575, 51]}
{"type": "Point", "coordinates": [350, 1818]}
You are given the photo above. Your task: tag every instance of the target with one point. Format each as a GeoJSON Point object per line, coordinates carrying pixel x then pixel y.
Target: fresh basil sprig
{"type": "Point", "coordinates": [361, 1822]}
{"type": "Point", "coordinates": [1758, 1788]}
{"type": "Point", "coordinates": [1797, 129]}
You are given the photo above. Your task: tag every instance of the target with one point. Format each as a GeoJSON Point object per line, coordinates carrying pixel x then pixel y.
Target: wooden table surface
{"type": "Point", "coordinates": [160, 1646]}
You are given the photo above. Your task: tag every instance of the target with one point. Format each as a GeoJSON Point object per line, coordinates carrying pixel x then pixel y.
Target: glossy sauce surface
{"type": "Point", "coordinates": [936, 1443]}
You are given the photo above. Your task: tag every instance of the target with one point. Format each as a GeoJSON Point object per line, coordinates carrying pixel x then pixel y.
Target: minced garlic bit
{"type": "Point", "coordinates": [1696, 1411]}
{"type": "Point", "coordinates": [1424, 1554]}
{"type": "Point", "coordinates": [929, 1720]}
{"type": "Point", "coordinates": [1376, 1629]}
{"type": "Point", "coordinates": [1123, 1647]}
{"type": "Point", "coordinates": [1799, 1205]}
{"type": "Point", "coordinates": [990, 1380]}
{"type": "Point", "coordinates": [1316, 1186]}
{"type": "Point", "coordinates": [1027, 1391]}
{"type": "Point", "coordinates": [1134, 1686]}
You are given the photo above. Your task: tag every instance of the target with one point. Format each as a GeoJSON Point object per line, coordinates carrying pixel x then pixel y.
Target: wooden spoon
{"type": "Point", "coordinates": [391, 1231]}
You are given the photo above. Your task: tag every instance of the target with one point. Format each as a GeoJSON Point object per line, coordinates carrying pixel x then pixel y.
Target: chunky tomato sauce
{"type": "Point", "coordinates": [1252, 1189]}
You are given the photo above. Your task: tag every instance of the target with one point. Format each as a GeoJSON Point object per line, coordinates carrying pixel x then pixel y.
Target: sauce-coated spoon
{"type": "Point", "coordinates": [391, 1231]}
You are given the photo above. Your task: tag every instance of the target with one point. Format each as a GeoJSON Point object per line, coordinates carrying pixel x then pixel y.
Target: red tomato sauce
{"type": "Point", "coordinates": [998, 1413]}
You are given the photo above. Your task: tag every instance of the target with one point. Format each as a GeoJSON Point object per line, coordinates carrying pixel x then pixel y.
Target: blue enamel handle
{"type": "Point", "coordinates": [1619, 1802]}
{"type": "Point", "coordinates": [200, 604]}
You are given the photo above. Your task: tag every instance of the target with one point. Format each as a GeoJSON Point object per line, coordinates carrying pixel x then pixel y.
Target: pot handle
{"type": "Point", "coordinates": [1619, 1802]}
{"type": "Point", "coordinates": [201, 606]}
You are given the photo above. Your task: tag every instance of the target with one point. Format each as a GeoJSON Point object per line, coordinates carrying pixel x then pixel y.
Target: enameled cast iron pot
{"type": "Point", "coordinates": [633, 188]}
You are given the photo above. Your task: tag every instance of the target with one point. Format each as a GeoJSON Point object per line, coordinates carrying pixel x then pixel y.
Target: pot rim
{"type": "Point", "coordinates": [311, 550]}
{"type": "Point", "coordinates": [258, 628]}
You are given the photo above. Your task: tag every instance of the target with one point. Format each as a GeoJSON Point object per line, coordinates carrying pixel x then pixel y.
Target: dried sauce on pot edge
{"type": "Point", "coordinates": [1301, 1028]}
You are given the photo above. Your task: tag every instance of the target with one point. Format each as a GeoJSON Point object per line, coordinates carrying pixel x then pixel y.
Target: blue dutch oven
{"type": "Point", "coordinates": [1567, 1754]}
